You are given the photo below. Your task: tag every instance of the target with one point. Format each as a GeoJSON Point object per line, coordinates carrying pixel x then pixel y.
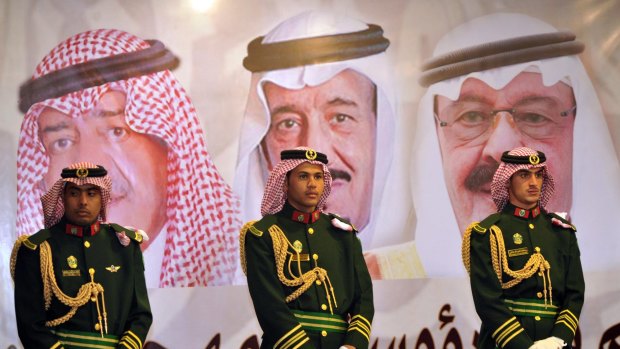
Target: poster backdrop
{"type": "Point", "coordinates": [193, 146]}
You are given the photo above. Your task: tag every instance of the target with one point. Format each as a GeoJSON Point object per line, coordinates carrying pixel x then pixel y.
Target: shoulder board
{"type": "Point", "coordinates": [341, 223]}
{"type": "Point", "coordinates": [133, 234]}
{"type": "Point", "coordinates": [36, 239]}
{"type": "Point", "coordinates": [249, 226]}
{"type": "Point", "coordinates": [482, 227]}
{"type": "Point", "coordinates": [559, 221]}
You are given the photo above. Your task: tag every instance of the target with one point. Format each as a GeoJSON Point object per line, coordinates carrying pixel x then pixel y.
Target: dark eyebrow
{"type": "Point", "coordinates": [341, 101]}
{"type": "Point", "coordinates": [56, 127]}
{"type": "Point", "coordinates": [102, 113]}
{"type": "Point", "coordinates": [288, 108]}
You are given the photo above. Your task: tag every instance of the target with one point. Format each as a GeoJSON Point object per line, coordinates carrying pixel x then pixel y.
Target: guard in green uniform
{"type": "Point", "coordinates": [305, 269]}
{"type": "Point", "coordinates": [79, 283]}
{"type": "Point", "coordinates": [524, 263]}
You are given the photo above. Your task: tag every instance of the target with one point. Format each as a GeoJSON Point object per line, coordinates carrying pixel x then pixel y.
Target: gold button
{"type": "Point", "coordinates": [310, 231]}
{"type": "Point", "coordinates": [539, 294]}
{"type": "Point", "coordinates": [531, 226]}
{"type": "Point", "coordinates": [97, 327]}
{"type": "Point", "coordinates": [324, 333]}
{"type": "Point", "coordinates": [540, 273]}
{"type": "Point", "coordinates": [86, 244]}
{"type": "Point", "coordinates": [323, 306]}
{"type": "Point", "coordinates": [537, 249]}
{"type": "Point", "coordinates": [315, 256]}
{"type": "Point", "coordinates": [318, 282]}
{"type": "Point", "coordinates": [93, 299]}
{"type": "Point", "coordinates": [91, 271]}
{"type": "Point", "coordinates": [537, 318]}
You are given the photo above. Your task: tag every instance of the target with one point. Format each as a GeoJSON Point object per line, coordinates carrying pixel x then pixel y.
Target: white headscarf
{"type": "Point", "coordinates": [596, 174]}
{"type": "Point", "coordinates": [251, 171]}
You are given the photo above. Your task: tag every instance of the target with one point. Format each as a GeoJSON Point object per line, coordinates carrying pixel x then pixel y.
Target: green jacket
{"type": "Point", "coordinates": [119, 269]}
{"type": "Point", "coordinates": [518, 315]}
{"type": "Point", "coordinates": [307, 321]}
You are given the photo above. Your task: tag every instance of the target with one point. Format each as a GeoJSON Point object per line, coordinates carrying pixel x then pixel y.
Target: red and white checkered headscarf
{"type": "Point", "coordinates": [202, 212]}
{"type": "Point", "coordinates": [501, 179]}
{"type": "Point", "coordinates": [53, 204]}
{"type": "Point", "coordinates": [275, 190]}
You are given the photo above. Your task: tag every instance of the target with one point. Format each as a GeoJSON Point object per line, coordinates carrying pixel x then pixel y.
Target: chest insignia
{"type": "Point", "coordinates": [517, 238]}
{"type": "Point", "coordinates": [72, 262]}
{"type": "Point", "coordinates": [69, 273]}
{"type": "Point", "coordinates": [518, 252]}
{"type": "Point", "coordinates": [112, 268]}
{"type": "Point", "coordinates": [297, 246]}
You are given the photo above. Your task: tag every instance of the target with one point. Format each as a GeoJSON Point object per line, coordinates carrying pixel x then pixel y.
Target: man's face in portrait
{"type": "Point", "coordinates": [136, 163]}
{"type": "Point", "coordinates": [338, 117]}
{"type": "Point", "coordinates": [483, 123]}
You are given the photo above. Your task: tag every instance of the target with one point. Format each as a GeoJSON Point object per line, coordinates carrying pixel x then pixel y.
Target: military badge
{"type": "Point", "coordinates": [112, 268]}
{"type": "Point", "coordinates": [297, 246]}
{"type": "Point", "coordinates": [300, 218]}
{"type": "Point", "coordinates": [521, 212]}
{"type": "Point", "coordinates": [517, 238]}
{"type": "Point", "coordinates": [72, 262]}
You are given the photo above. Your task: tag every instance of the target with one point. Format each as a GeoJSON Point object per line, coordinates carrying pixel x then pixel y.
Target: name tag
{"type": "Point", "coordinates": [71, 273]}
{"type": "Point", "coordinates": [518, 252]}
{"type": "Point", "coordinates": [303, 257]}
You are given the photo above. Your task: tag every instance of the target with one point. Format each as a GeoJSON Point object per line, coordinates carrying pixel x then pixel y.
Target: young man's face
{"type": "Point", "coordinates": [339, 118]}
{"type": "Point", "coordinates": [82, 203]}
{"type": "Point", "coordinates": [525, 188]}
{"type": "Point", "coordinates": [480, 128]}
{"type": "Point", "coordinates": [304, 186]}
{"type": "Point", "coordinates": [136, 163]}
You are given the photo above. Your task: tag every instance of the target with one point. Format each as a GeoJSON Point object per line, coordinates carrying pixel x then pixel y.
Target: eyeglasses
{"type": "Point", "coordinates": [469, 120]}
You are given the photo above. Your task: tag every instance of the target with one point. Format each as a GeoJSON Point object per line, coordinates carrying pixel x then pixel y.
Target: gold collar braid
{"type": "Point", "coordinates": [536, 263]}
{"type": "Point", "coordinates": [280, 247]}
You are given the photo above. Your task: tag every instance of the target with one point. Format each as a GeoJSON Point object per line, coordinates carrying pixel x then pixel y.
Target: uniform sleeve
{"type": "Point", "coordinates": [29, 303]}
{"type": "Point", "coordinates": [140, 317]}
{"type": "Point", "coordinates": [568, 316]}
{"type": "Point", "coordinates": [505, 329]}
{"type": "Point", "coordinates": [268, 295]}
{"type": "Point", "coordinates": [362, 311]}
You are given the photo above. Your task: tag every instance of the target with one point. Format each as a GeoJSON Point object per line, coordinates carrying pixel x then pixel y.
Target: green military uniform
{"type": "Point", "coordinates": [542, 289]}
{"type": "Point", "coordinates": [74, 252]}
{"type": "Point", "coordinates": [331, 304]}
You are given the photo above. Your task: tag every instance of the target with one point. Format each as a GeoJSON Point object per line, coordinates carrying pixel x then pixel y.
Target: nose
{"type": "Point", "coordinates": [504, 135]}
{"type": "Point", "coordinates": [83, 199]}
{"type": "Point", "coordinates": [91, 147]}
{"type": "Point", "coordinates": [318, 134]}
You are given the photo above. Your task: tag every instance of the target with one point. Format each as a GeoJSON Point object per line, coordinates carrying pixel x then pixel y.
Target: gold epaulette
{"type": "Point", "coordinates": [247, 226]}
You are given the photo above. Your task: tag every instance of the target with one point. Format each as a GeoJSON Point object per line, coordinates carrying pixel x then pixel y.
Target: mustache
{"type": "Point", "coordinates": [340, 174]}
{"type": "Point", "coordinates": [481, 175]}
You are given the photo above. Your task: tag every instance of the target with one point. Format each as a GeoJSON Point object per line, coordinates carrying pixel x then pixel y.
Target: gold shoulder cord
{"type": "Point", "coordinates": [280, 247]}
{"type": "Point", "coordinates": [536, 263]}
{"type": "Point", "coordinates": [18, 243]}
{"type": "Point", "coordinates": [88, 291]}
{"type": "Point", "coordinates": [242, 233]}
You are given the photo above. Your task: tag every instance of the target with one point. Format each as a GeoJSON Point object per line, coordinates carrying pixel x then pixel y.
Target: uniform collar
{"type": "Point", "coordinates": [300, 217]}
{"type": "Point", "coordinates": [522, 212]}
{"type": "Point", "coordinates": [80, 231]}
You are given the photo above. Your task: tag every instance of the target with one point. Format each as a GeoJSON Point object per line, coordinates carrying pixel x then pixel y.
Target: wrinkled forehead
{"type": "Point", "coordinates": [525, 85]}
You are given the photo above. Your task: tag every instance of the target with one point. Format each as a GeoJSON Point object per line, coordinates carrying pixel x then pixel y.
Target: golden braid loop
{"type": "Point", "coordinates": [13, 260]}
{"type": "Point", "coordinates": [465, 247]}
{"type": "Point", "coordinates": [280, 248]}
{"type": "Point", "coordinates": [50, 286]}
{"type": "Point", "coordinates": [536, 263]}
{"type": "Point", "coordinates": [242, 234]}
